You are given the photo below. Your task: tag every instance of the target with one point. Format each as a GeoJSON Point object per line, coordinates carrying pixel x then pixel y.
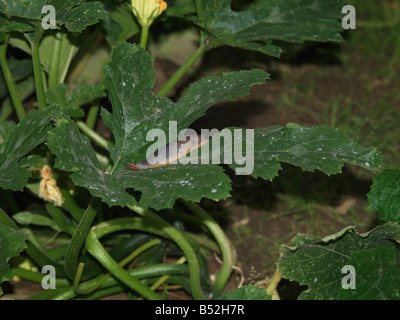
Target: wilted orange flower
{"type": "Point", "coordinates": [48, 189]}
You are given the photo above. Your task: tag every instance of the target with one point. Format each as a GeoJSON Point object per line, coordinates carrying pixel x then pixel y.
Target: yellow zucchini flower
{"type": "Point", "coordinates": [147, 10]}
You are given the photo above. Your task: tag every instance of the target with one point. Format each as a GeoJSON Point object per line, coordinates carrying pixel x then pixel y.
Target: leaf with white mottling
{"type": "Point", "coordinates": [130, 79]}
{"type": "Point", "coordinates": [317, 263]}
{"type": "Point", "coordinates": [318, 148]}
{"type": "Point", "coordinates": [269, 20]}
{"type": "Point", "coordinates": [384, 196]}
{"type": "Point", "coordinates": [30, 132]}
{"type": "Point", "coordinates": [159, 187]}
{"type": "Point", "coordinates": [75, 15]}
{"type": "Point", "coordinates": [12, 242]}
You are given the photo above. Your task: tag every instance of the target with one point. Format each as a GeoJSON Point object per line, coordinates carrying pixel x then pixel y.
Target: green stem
{"type": "Point", "coordinates": [6, 220]}
{"type": "Point", "coordinates": [204, 241]}
{"type": "Point", "coordinates": [139, 273]}
{"type": "Point", "coordinates": [42, 260]}
{"type": "Point", "coordinates": [138, 251]}
{"type": "Point", "coordinates": [7, 109]}
{"type": "Point", "coordinates": [122, 263]}
{"type": "Point", "coordinates": [37, 277]}
{"type": "Point", "coordinates": [19, 109]}
{"type": "Point", "coordinates": [144, 36]}
{"type": "Point", "coordinates": [78, 239]}
{"type": "Point", "coordinates": [47, 294]}
{"type": "Point", "coordinates": [70, 204]}
{"type": "Point", "coordinates": [78, 276]}
{"type": "Point", "coordinates": [183, 243]}
{"type": "Point", "coordinates": [92, 115]}
{"type": "Point", "coordinates": [92, 134]}
{"type": "Point", "coordinates": [55, 62]}
{"type": "Point", "coordinates": [102, 293]}
{"type": "Point", "coordinates": [277, 277]}
{"type": "Point", "coordinates": [105, 161]}
{"type": "Point", "coordinates": [223, 242]}
{"type": "Point", "coordinates": [95, 248]}
{"type": "Point", "coordinates": [165, 277]}
{"type": "Point", "coordinates": [59, 218]}
{"type": "Point", "coordinates": [57, 253]}
{"type": "Point", "coordinates": [182, 70]}
{"type": "Point", "coordinates": [37, 70]}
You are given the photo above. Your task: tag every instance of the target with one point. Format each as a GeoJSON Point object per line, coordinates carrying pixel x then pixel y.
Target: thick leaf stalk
{"type": "Point", "coordinates": [37, 70]}
{"type": "Point", "coordinates": [95, 248]}
{"type": "Point", "coordinates": [183, 243]}
{"type": "Point", "coordinates": [78, 239]}
{"type": "Point", "coordinates": [19, 109]}
{"type": "Point", "coordinates": [223, 242]}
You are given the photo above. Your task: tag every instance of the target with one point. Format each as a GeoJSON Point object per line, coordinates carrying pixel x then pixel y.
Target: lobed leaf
{"type": "Point", "coordinates": [12, 242]}
{"type": "Point", "coordinates": [75, 15]}
{"type": "Point", "coordinates": [137, 109]}
{"type": "Point", "coordinates": [317, 263]}
{"type": "Point", "coordinates": [384, 196]}
{"type": "Point", "coordinates": [318, 148]}
{"type": "Point", "coordinates": [377, 275]}
{"type": "Point", "coordinates": [30, 132]}
{"type": "Point", "coordinates": [159, 187]}
{"type": "Point", "coordinates": [129, 80]}
{"type": "Point", "coordinates": [269, 20]}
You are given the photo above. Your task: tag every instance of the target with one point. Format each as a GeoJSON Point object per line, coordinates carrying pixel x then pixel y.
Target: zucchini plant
{"type": "Point", "coordinates": [70, 201]}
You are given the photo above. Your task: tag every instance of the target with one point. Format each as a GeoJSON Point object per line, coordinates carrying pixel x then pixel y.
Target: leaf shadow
{"type": "Point", "coordinates": [231, 114]}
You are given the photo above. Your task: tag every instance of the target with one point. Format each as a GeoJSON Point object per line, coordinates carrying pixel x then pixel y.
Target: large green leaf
{"type": "Point", "coordinates": [12, 242]}
{"type": "Point", "coordinates": [29, 133]}
{"type": "Point", "coordinates": [137, 109]}
{"type": "Point", "coordinates": [317, 263]}
{"type": "Point", "coordinates": [322, 147]}
{"type": "Point", "coordinates": [384, 196]}
{"type": "Point", "coordinates": [75, 15]}
{"type": "Point", "coordinates": [160, 187]}
{"type": "Point", "coordinates": [377, 275]}
{"type": "Point", "coordinates": [268, 20]}
{"type": "Point", "coordinates": [130, 78]}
